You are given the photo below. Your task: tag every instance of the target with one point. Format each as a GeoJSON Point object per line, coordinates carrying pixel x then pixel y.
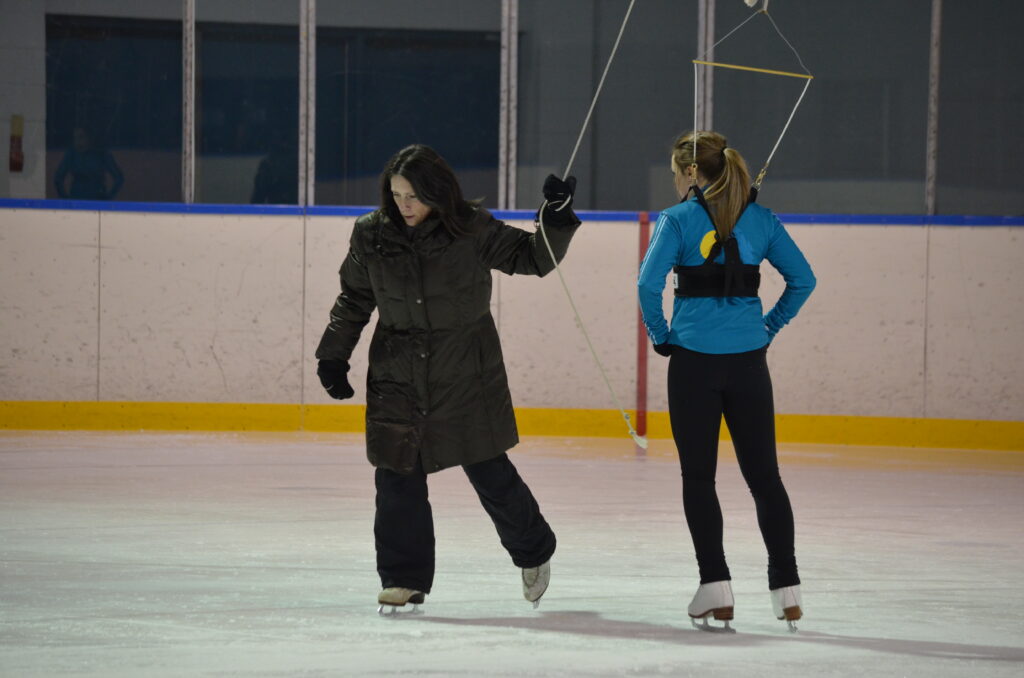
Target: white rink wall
{"type": "Point", "coordinates": [907, 321]}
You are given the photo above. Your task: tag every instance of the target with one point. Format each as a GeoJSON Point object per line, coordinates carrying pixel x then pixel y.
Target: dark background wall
{"type": "Point", "coordinates": [401, 71]}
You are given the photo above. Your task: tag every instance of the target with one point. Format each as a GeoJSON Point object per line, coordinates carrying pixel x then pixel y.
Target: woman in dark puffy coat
{"type": "Point", "coordinates": [437, 394]}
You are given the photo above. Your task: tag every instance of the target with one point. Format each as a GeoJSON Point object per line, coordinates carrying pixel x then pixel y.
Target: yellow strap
{"type": "Point", "coordinates": [757, 70]}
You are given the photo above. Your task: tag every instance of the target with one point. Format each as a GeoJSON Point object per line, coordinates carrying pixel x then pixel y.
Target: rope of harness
{"type": "Point", "coordinates": [736, 278]}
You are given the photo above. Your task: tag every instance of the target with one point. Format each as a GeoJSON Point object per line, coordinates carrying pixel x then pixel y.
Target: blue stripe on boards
{"type": "Point", "coordinates": [516, 215]}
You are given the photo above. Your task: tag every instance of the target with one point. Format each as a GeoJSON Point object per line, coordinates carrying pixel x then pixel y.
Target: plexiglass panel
{"type": "Point", "coordinates": [395, 73]}
{"type": "Point", "coordinates": [113, 107]}
{"type": "Point", "coordinates": [247, 102]}
{"type": "Point", "coordinates": [981, 106]}
{"type": "Point", "coordinates": [857, 142]}
{"type": "Point", "coordinates": [92, 99]}
{"type": "Point", "coordinates": [647, 99]}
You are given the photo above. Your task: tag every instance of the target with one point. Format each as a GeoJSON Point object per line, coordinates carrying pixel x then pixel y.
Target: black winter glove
{"type": "Point", "coordinates": [664, 349]}
{"type": "Point", "coordinates": [558, 194]}
{"type": "Point", "coordinates": [334, 376]}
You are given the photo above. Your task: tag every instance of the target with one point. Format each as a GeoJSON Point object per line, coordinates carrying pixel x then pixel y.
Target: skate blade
{"type": "Point", "coordinates": [791, 615]}
{"type": "Point", "coordinates": [388, 610]}
{"type": "Point", "coordinates": [705, 626]}
{"type": "Point", "coordinates": [535, 601]}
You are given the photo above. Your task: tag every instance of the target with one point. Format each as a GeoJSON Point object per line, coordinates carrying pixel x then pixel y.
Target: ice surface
{"type": "Point", "coordinates": [252, 555]}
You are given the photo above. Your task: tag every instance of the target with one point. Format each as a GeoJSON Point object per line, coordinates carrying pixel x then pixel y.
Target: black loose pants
{"type": "Point", "coordinates": [702, 388]}
{"type": "Point", "coordinates": [404, 525]}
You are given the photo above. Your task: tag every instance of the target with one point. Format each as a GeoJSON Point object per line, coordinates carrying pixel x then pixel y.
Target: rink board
{"type": "Point", "coordinates": [204, 318]}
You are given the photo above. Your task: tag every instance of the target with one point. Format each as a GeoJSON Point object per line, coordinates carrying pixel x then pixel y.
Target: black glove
{"type": "Point", "coordinates": [558, 193]}
{"type": "Point", "coordinates": [334, 376]}
{"type": "Point", "coordinates": [664, 349]}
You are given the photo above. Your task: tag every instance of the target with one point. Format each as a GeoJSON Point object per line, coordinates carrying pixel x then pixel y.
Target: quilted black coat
{"type": "Point", "coordinates": [436, 387]}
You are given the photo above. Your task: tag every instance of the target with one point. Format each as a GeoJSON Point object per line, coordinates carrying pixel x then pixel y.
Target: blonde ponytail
{"type": "Point", "coordinates": [725, 168]}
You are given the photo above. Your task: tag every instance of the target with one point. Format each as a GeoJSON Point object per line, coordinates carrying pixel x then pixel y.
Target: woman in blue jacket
{"type": "Point", "coordinates": [716, 344]}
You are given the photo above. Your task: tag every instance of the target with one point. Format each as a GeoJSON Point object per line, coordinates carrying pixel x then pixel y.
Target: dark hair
{"type": "Point", "coordinates": [434, 182]}
{"type": "Point", "coordinates": [724, 167]}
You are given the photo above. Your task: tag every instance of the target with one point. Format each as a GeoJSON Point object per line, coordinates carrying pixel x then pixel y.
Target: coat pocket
{"type": "Point", "coordinates": [393, 446]}
{"type": "Point", "coordinates": [392, 439]}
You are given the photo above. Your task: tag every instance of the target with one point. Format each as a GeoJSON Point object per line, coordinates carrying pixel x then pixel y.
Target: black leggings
{"type": "Point", "coordinates": [703, 387]}
{"type": "Point", "coordinates": [404, 526]}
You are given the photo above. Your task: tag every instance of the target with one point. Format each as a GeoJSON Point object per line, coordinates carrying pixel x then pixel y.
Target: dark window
{"type": "Point", "coordinates": [113, 108]}
{"type": "Point", "coordinates": [857, 141]}
{"type": "Point", "coordinates": [981, 106]}
{"type": "Point", "coordinates": [381, 89]}
{"type": "Point", "coordinates": [647, 99]}
{"type": "Point", "coordinates": [247, 113]}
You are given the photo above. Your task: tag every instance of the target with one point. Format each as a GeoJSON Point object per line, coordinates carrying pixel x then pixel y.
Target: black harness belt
{"type": "Point", "coordinates": [717, 280]}
{"type": "Point", "coordinates": [731, 279]}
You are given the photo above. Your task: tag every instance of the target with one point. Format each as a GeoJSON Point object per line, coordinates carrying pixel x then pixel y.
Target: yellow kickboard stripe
{"type": "Point", "coordinates": [794, 428]}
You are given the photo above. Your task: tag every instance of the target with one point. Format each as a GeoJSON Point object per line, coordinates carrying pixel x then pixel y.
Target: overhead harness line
{"type": "Point", "coordinates": [805, 75]}
{"type": "Point", "coordinates": [637, 438]}
{"type": "Point", "coordinates": [733, 263]}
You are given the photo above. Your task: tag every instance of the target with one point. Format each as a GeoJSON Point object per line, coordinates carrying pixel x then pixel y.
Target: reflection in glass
{"type": "Point", "coordinates": [857, 142]}
{"type": "Point", "coordinates": [379, 90]}
{"type": "Point", "coordinates": [113, 108]}
{"type": "Point", "coordinates": [247, 112]}
{"type": "Point", "coordinates": [88, 171]}
{"type": "Point", "coordinates": [623, 161]}
{"type": "Point", "coordinates": [981, 105]}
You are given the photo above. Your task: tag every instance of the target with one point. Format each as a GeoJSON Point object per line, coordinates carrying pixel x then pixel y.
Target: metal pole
{"type": "Point", "coordinates": [930, 177]}
{"type": "Point", "coordinates": [641, 343]}
{"type": "Point", "coordinates": [307, 101]}
{"type": "Point", "coordinates": [709, 73]}
{"type": "Point", "coordinates": [512, 156]}
{"type": "Point", "coordinates": [932, 141]}
{"type": "Point", "coordinates": [503, 89]}
{"type": "Point", "coordinates": [311, 108]}
{"type": "Point", "coordinates": [188, 95]}
{"type": "Point", "coordinates": [706, 78]}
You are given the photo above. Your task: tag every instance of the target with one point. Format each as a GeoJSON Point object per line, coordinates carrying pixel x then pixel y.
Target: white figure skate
{"type": "Point", "coordinates": [535, 582]}
{"type": "Point", "coordinates": [390, 599]}
{"type": "Point", "coordinates": [713, 599]}
{"type": "Point", "coordinates": [787, 604]}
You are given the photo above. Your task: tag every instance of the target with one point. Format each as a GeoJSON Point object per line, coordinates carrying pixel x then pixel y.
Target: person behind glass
{"type": "Point", "coordinates": [88, 166]}
{"type": "Point", "coordinates": [716, 344]}
{"type": "Point", "coordinates": [277, 177]}
{"type": "Point", "coordinates": [436, 389]}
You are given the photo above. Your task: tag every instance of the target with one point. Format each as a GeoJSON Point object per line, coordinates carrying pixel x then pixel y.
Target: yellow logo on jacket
{"type": "Point", "coordinates": [707, 243]}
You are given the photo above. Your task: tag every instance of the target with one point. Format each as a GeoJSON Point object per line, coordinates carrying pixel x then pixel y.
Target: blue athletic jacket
{"type": "Point", "coordinates": [683, 236]}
